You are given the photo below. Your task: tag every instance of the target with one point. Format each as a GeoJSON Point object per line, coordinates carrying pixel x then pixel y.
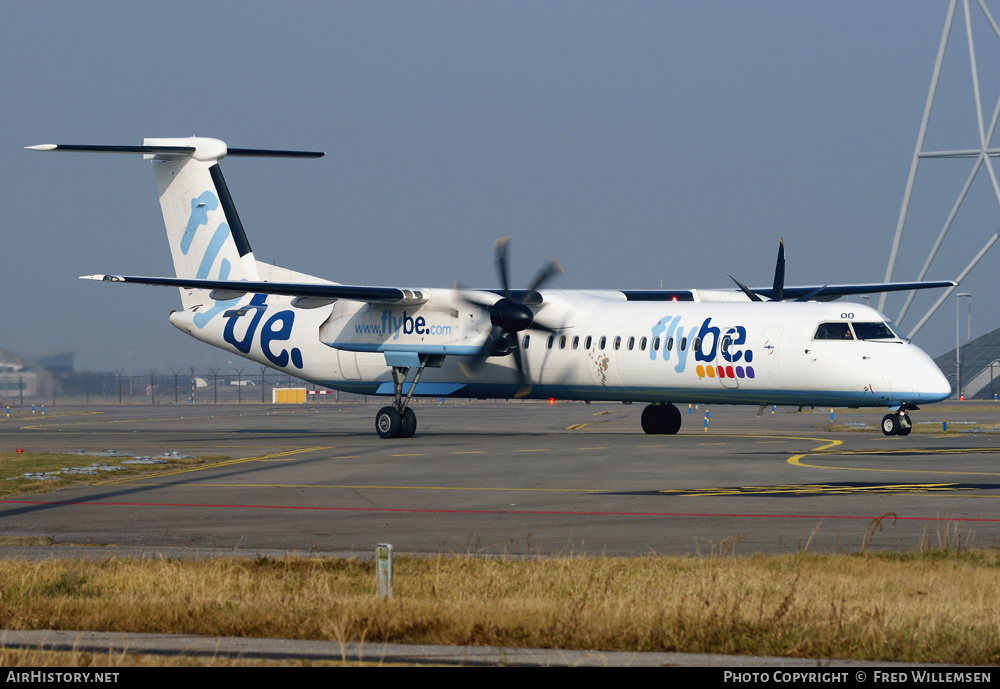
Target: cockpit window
{"type": "Point", "coordinates": [833, 331]}
{"type": "Point", "coordinates": [874, 331]}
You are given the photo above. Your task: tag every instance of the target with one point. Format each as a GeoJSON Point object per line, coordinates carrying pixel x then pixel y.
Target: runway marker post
{"type": "Point", "coordinates": [383, 570]}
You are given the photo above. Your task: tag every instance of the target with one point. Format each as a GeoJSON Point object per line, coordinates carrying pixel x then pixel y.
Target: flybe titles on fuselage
{"type": "Point", "coordinates": [716, 353]}
{"type": "Point", "coordinates": [405, 324]}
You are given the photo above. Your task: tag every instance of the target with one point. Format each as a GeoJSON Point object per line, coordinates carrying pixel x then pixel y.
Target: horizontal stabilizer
{"type": "Point", "coordinates": [232, 288]}
{"type": "Point", "coordinates": [179, 150]}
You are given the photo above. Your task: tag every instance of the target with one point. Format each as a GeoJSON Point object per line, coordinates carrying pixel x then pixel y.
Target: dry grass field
{"type": "Point", "coordinates": [933, 606]}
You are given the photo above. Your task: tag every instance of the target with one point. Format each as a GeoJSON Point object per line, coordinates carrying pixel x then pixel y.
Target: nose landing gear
{"type": "Point", "coordinates": [897, 423]}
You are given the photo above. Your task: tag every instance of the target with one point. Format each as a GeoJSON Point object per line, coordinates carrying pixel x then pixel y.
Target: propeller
{"type": "Point", "coordinates": [508, 316]}
{"type": "Point", "coordinates": [778, 287]}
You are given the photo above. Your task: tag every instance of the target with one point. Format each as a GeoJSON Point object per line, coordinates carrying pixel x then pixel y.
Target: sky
{"type": "Point", "coordinates": [640, 143]}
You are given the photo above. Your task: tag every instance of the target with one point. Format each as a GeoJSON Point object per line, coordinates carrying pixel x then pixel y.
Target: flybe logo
{"type": "Point", "coordinates": [276, 329]}
{"type": "Point", "coordinates": [718, 354]}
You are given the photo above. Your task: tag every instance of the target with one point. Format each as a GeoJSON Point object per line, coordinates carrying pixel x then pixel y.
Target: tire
{"type": "Point", "coordinates": [654, 419]}
{"type": "Point", "coordinates": [890, 424]}
{"type": "Point", "coordinates": [388, 423]}
{"type": "Point", "coordinates": [672, 420]}
{"type": "Point", "coordinates": [409, 424]}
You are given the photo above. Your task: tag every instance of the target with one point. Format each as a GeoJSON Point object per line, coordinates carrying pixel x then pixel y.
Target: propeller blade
{"type": "Point", "coordinates": [746, 290]}
{"type": "Point", "coordinates": [469, 299]}
{"type": "Point", "coordinates": [500, 251]}
{"type": "Point", "coordinates": [551, 267]}
{"type": "Point", "coordinates": [778, 289]}
{"type": "Point", "coordinates": [470, 367]}
{"type": "Point", "coordinates": [524, 379]}
{"type": "Point", "coordinates": [809, 295]}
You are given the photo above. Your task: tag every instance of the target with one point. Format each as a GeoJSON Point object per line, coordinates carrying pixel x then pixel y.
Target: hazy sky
{"type": "Point", "coordinates": [638, 142]}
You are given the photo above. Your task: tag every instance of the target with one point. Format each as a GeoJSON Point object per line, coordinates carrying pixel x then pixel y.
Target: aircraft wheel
{"type": "Point", "coordinates": [672, 420]}
{"type": "Point", "coordinates": [654, 419]}
{"type": "Point", "coordinates": [409, 424]}
{"type": "Point", "coordinates": [388, 423]}
{"type": "Point", "coordinates": [890, 424]}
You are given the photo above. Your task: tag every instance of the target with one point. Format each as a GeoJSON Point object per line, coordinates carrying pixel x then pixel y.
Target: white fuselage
{"type": "Point", "coordinates": [605, 348]}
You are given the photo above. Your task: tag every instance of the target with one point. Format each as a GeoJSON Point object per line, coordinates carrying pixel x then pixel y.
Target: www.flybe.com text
{"type": "Point", "coordinates": [406, 324]}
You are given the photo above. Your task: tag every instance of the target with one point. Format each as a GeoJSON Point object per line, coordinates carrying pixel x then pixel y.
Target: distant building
{"type": "Point", "coordinates": [980, 367]}
{"type": "Point", "coordinates": [21, 378]}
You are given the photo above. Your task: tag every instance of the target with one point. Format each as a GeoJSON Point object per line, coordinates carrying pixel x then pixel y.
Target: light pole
{"type": "Point", "coordinates": [958, 344]}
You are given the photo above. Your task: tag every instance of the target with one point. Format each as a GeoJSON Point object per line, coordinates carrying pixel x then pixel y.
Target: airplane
{"type": "Point", "coordinates": [776, 346]}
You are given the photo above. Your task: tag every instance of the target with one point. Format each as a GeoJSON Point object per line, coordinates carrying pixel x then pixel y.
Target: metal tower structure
{"type": "Point", "coordinates": [980, 157]}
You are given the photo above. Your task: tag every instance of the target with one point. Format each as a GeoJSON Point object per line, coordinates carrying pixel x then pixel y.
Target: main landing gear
{"type": "Point", "coordinates": [661, 419]}
{"type": "Point", "coordinates": [897, 423]}
{"type": "Point", "coordinates": [398, 420]}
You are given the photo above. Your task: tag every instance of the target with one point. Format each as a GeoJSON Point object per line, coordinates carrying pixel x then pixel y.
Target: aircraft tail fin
{"type": "Point", "coordinates": [206, 237]}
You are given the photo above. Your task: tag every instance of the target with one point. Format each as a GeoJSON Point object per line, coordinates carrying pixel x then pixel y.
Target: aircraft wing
{"type": "Point", "coordinates": [831, 292]}
{"type": "Point", "coordinates": [230, 289]}
{"type": "Point", "coordinates": [798, 293]}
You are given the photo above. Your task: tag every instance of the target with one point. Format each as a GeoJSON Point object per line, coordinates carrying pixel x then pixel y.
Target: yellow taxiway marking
{"type": "Point", "coordinates": [535, 449]}
{"type": "Point", "coordinates": [469, 452]}
{"type": "Point", "coordinates": [797, 461]}
{"type": "Point", "coordinates": [481, 489]}
{"type": "Point", "coordinates": [213, 465]}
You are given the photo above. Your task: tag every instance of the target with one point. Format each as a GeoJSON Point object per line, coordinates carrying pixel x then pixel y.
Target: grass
{"type": "Point", "coordinates": [932, 606]}
{"type": "Point", "coordinates": [14, 464]}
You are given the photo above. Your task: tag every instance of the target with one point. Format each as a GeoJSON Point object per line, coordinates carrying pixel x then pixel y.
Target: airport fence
{"type": "Point", "coordinates": [214, 386]}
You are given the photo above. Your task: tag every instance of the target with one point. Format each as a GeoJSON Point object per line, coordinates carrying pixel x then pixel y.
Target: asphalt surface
{"type": "Point", "coordinates": [515, 478]}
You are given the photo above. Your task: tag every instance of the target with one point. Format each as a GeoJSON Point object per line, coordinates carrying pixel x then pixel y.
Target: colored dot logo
{"type": "Point", "coordinates": [724, 371]}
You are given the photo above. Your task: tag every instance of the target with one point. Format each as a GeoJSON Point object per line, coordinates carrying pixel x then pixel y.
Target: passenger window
{"type": "Point", "coordinates": [833, 331]}
{"type": "Point", "coordinates": [683, 344]}
{"type": "Point", "coordinates": [656, 343]}
{"type": "Point", "coordinates": [642, 344]}
{"type": "Point", "coordinates": [696, 344]}
{"type": "Point", "coordinates": [604, 341]}
{"type": "Point", "coordinates": [524, 342]}
{"type": "Point", "coordinates": [576, 341]}
{"type": "Point", "coordinates": [562, 342]}
{"type": "Point", "coordinates": [618, 342]}
{"type": "Point", "coordinates": [631, 343]}
{"type": "Point", "coordinates": [670, 344]}
{"type": "Point", "coordinates": [587, 342]}
{"type": "Point", "coordinates": [548, 341]}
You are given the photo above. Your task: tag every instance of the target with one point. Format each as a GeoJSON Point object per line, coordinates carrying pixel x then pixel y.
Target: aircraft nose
{"type": "Point", "coordinates": [934, 387]}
